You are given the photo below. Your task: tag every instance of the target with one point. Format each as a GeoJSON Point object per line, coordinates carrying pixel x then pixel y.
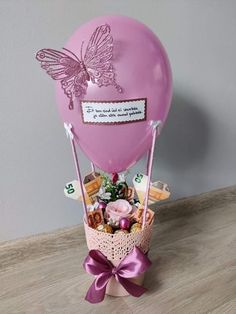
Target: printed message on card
{"type": "Point", "coordinates": [108, 112]}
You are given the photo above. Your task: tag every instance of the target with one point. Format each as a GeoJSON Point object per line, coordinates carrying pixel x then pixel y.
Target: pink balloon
{"type": "Point", "coordinates": [143, 71]}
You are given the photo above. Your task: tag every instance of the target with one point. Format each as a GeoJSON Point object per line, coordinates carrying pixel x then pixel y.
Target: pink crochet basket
{"type": "Point", "coordinates": [115, 247]}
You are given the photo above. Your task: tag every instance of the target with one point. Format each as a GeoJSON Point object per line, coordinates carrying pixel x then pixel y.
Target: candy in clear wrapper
{"type": "Point", "coordinates": [113, 223]}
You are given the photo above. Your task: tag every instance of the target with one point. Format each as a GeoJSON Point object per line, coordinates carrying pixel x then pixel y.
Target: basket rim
{"type": "Point", "coordinates": [125, 235]}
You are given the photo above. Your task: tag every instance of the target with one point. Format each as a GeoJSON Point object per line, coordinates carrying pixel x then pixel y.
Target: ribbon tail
{"type": "Point", "coordinates": [94, 295]}
{"type": "Point", "coordinates": [131, 287]}
{"type": "Point", "coordinates": [97, 290]}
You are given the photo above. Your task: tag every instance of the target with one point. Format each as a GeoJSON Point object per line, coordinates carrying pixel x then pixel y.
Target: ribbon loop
{"type": "Point", "coordinates": [132, 265]}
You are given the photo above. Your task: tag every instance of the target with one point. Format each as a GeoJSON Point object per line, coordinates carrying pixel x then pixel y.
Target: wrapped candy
{"type": "Point", "coordinates": [121, 231]}
{"type": "Point", "coordinates": [102, 205]}
{"type": "Point", "coordinates": [136, 227]}
{"type": "Point", "coordinates": [105, 228]}
{"type": "Point", "coordinates": [124, 223]}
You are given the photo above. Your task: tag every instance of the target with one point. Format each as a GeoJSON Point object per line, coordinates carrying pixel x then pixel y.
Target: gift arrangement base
{"type": "Point", "coordinates": [115, 247]}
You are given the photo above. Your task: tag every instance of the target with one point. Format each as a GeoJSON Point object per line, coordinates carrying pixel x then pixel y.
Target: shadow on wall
{"type": "Point", "coordinates": [183, 146]}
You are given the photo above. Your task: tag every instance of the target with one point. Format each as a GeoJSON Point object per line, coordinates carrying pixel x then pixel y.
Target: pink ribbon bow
{"type": "Point", "coordinates": [132, 265]}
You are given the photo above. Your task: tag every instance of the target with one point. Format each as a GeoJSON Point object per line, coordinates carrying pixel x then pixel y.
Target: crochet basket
{"type": "Point", "coordinates": [115, 247]}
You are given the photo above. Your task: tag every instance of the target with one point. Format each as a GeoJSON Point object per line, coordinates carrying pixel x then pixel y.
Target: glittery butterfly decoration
{"type": "Point", "coordinates": [73, 73]}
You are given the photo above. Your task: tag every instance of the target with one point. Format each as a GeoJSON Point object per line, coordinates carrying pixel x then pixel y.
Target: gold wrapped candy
{"type": "Point", "coordinates": [121, 231]}
{"type": "Point", "coordinates": [105, 228]}
{"type": "Point", "coordinates": [136, 227]}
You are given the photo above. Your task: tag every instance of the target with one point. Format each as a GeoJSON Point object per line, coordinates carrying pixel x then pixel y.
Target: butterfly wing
{"type": "Point", "coordinates": [67, 70]}
{"type": "Point", "coordinates": [97, 58]}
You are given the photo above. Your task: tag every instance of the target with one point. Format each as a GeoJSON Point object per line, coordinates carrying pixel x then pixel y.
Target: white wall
{"type": "Point", "coordinates": [196, 152]}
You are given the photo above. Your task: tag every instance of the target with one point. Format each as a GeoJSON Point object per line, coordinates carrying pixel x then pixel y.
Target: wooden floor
{"type": "Point", "coordinates": [194, 265]}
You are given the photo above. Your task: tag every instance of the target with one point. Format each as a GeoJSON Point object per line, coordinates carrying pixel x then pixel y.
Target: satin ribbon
{"type": "Point", "coordinates": [132, 265]}
{"type": "Point", "coordinates": [68, 128]}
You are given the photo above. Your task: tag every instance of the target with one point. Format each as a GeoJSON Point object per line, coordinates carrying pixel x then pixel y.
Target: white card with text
{"type": "Point", "coordinates": [113, 112]}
